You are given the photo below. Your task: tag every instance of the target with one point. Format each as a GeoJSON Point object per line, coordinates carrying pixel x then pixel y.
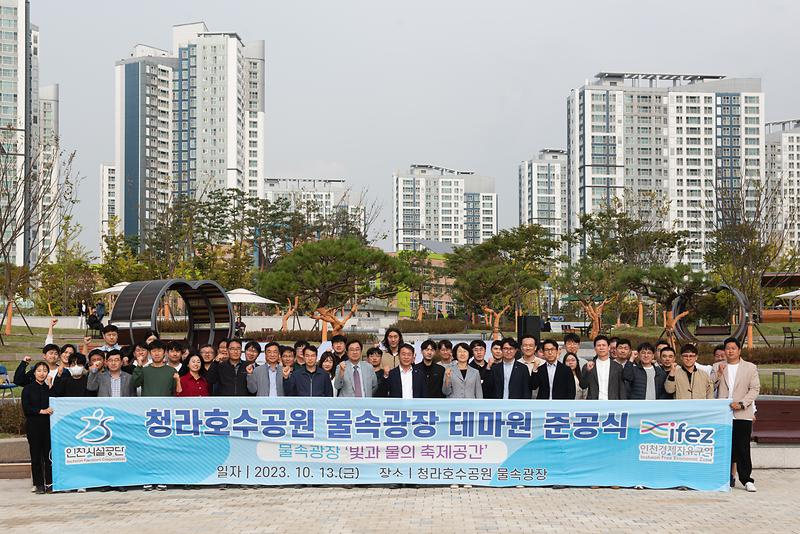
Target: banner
{"type": "Point", "coordinates": [300, 440]}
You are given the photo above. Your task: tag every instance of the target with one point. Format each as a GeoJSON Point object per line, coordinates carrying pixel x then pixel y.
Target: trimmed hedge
{"type": "Point", "coordinates": [433, 326]}
{"type": "Point", "coordinates": [12, 418]}
{"type": "Point", "coordinates": [308, 335]}
{"type": "Point", "coordinates": [758, 355]}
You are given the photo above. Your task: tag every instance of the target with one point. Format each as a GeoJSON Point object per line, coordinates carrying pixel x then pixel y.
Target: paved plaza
{"type": "Point", "coordinates": [436, 509]}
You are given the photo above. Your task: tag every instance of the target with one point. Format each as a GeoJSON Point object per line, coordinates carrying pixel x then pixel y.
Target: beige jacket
{"type": "Point", "coordinates": [699, 388]}
{"type": "Point", "coordinates": [745, 389]}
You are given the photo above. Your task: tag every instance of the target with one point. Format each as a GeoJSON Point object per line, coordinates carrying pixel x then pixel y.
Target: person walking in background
{"type": "Point", "coordinates": [83, 313]}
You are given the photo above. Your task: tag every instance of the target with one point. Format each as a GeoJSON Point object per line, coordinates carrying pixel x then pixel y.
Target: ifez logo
{"type": "Point", "coordinates": [96, 430]}
{"type": "Point", "coordinates": [678, 432]}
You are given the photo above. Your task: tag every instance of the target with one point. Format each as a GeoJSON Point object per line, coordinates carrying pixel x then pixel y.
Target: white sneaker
{"type": "Point", "coordinates": [453, 486]}
{"type": "Point", "coordinates": [33, 489]}
{"type": "Point", "coordinates": [750, 487]}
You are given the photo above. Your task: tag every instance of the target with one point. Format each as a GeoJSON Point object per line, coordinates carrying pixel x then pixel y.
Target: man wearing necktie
{"type": "Point", "coordinates": [355, 378]}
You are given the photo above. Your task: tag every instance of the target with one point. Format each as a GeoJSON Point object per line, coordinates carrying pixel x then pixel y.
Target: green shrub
{"type": "Point", "coordinates": [433, 326]}
{"type": "Point", "coordinates": [173, 326]}
{"type": "Point", "coordinates": [12, 419]}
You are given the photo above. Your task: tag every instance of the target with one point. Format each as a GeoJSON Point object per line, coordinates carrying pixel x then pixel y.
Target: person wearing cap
{"type": "Point", "coordinates": [50, 355]}
{"type": "Point", "coordinates": [687, 381]}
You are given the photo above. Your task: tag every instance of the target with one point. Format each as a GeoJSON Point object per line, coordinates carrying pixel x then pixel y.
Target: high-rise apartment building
{"type": "Point", "coordinates": [28, 131]}
{"type": "Point", "coordinates": [669, 147]}
{"type": "Point", "coordinates": [188, 121]}
{"type": "Point", "coordinates": [321, 197]}
{"type": "Point", "coordinates": [542, 190]}
{"type": "Point", "coordinates": [783, 172]}
{"type": "Point", "coordinates": [440, 204]}
{"type": "Point", "coordinates": [110, 198]}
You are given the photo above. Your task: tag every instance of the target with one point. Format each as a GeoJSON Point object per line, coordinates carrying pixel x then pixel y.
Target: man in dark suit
{"type": "Point", "coordinates": [603, 376]}
{"type": "Point", "coordinates": [512, 380]}
{"type": "Point", "coordinates": [404, 381]}
{"type": "Point", "coordinates": [553, 380]}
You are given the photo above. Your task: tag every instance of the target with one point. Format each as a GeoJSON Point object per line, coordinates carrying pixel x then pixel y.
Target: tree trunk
{"type": "Point", "coordinates": [640, 312]}
{"type": "Point", "coordinates": [669, 325]}
{"type": "Point", "coordinates": [420, 312]}
{"type": "Point", "coordinates": [750, 334]}
{"type": "Point", "coordinates": [289, 312]}
{"type": "Point", "coordinates": [328, 317]}
{"type": "Point", "coordinates": [595, 313]}
{"type": "Point", "coordinates": [9, 316]}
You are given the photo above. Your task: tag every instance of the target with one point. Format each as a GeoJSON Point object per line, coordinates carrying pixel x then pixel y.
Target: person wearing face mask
{"type": "Point", "coordinates": [70, 380]}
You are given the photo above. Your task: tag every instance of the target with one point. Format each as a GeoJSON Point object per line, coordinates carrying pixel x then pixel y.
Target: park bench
{"type": "Point", "coordinates": [789, 335]}
{"type": "Point", "coordinates": [777, 421]}
{"type": "Point", "coordinates": [713, 330]}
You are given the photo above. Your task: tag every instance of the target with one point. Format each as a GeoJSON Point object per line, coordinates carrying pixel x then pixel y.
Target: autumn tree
{"type": "Point", "coordinates": [63, 283]}
{"type": "Point", "coordinates": [36, 193]}
{"type": "Point", "coordinates": [749, 238]}
{"type": "Point", "coordinates": [424, 277]}
{"type": "Point", "coordinates": [497, 274]}
{"type": "Point", "coordinates": [329, 275]}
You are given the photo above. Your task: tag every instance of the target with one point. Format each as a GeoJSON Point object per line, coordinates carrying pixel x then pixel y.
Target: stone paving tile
{"type": "Point", "coordinates": [442, 510]}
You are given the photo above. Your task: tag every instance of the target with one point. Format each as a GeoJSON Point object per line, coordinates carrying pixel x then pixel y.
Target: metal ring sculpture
{"type": "Point", "coordinates": [208, 309]}
{"type": "Point", "coordinates": [681, 328]}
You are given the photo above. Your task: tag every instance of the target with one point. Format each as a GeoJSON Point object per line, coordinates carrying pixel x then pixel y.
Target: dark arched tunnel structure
{"type": "Point", "coordinates": [208, 310]}
{"type": "Point", "coordinates": [682, 329]}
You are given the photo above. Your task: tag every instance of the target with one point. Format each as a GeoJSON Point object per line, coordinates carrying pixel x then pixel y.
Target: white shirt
{"type": "Point", "coordinates": [730, 376]}
{"type": "Point", "coordinates": [408, 383]}
{"type": "Point", "coordinates": [507, 368]}
{"type": "Point", "coordinates": [272, 376]}
{"type": "Point", "coordinates": [709, 369]}
{"type": "Point", "coordinates": [551, 374]}
{"type": "Point", "coordinates": [603, 369]}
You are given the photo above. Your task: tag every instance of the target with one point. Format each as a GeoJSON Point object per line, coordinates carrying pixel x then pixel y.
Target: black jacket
{"type": "Point", "coordinates": [563, 383]}
{"type": "Point", "coordinates": [230, 381]}
{"type": "Point", "coordinates": [66, 386]}
{"type": "Point", "coordinates": [393, 385]}
{"type": "Point", "coordinates": [302, 383]}
{"type": "Point", "coordinates": [636, 378]}
{"type": "Point", "coordinates": [616, 386]}
{"type": "Point", "coordinates": [487, 379]}
{"type": "Point", "coordinates": [35, 397]}
{"type": "Point", "coordinates": [519, 386]}
{"type": "Point", "coordinates": [23, 377]}
{"type": "Point", "coordinates": [434, 378]}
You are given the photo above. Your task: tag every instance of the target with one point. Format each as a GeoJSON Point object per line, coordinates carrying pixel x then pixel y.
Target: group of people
{"type": "Point", "coordinates": [510, 369]}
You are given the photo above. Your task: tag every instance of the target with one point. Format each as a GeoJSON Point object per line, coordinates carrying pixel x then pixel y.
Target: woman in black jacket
{"type": "Point", "coordinates": [36, 406]}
